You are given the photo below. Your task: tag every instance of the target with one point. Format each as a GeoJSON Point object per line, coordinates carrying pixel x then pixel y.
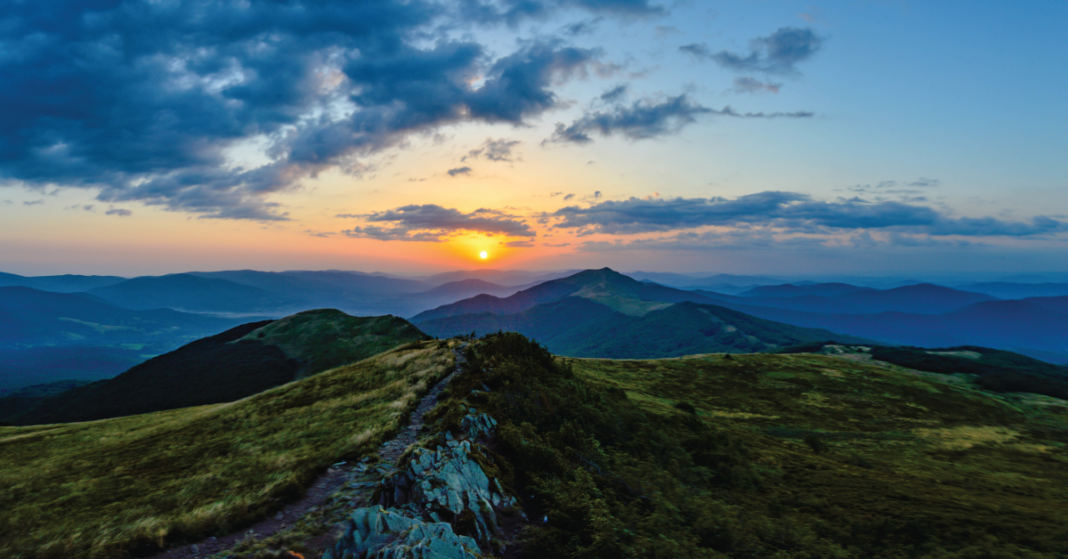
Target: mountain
{"type": "Point", "coordinates": [1039, 323]}
{"type": "Point", "coordinates": [501, 277]}
{"type": "Point", "coordinates": [16, 402]}
{"type": "Point", "coordinates": [59, 284]}
{"type": "Point", "coordinates": [25, 366]}
{"type": "Point", "coordinates": [190, 293]}
{"type": "Point", "coordinates": [605, 286]}
{"type": "Point", "coordinates": [1007, 290]}
{"type": "Point", "coordinates": [237, 363]}
{"type": "Point", "coordinates": [922, 298]}
{"type": "Point", "coordinates": [601, 313]}
{"type": "Point", "coordinates": [467, 288]}
{"type": "Point", "coordinates": [791, 290]}
{"type": "Point", "coordinates": [34, 317]}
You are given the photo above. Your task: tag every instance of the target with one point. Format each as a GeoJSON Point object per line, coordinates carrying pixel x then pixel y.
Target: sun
{"type": "Point", "coordinates": [483, 255]}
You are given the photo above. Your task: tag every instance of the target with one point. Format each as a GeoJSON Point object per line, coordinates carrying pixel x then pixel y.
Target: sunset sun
{"type": "Point", "coordinates": [483, 255]}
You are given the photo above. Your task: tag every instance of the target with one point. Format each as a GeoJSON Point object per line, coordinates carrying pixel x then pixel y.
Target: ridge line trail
{"type": "Point", "coordinates": [349, 484]}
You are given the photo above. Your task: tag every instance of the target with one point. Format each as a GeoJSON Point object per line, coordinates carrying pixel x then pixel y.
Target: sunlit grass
{"type": "Point", "coordinates": [100, 489]}
{"type": "Point", "coordinates": [917, 454]}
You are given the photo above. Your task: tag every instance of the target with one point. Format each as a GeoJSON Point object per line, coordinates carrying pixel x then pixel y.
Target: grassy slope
{"type": "Point", "coordinates": [326, 338]}
{"type": "Point", "coordinates": [99, 489]}
{"type": "Point", "coordinates": [906, 460]}
{"type": "Point", "coordinates": [237, 363]}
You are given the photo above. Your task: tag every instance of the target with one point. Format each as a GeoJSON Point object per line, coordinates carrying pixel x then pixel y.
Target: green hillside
{"type": "Point", "coordinates": [992, 369]}
{"type": "Point", "coordinates": [326, 338]}
{"type": "Point", "coordinates": [101, 489]}
{"type": "Point", "coordinates": [784, 456]}
{"type": "Point", "coordinates": [234, 364]}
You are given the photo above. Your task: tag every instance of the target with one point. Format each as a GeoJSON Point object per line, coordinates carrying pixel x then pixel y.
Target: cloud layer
{"type": "Point", "coordinates": [433, 223]}
{"type": "Point", "coordinates": [788, 211]}
{"type": "Point", "coordinates": [144, 100]}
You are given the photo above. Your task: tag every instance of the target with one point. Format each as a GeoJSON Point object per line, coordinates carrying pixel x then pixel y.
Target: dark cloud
{"type": "Point", "coordinates": [648, 119]}
{"type": "Point", "coordinates": [778, 53]}
{"type": "Point", "coordinates": [514, 11]}
{"type": "Point", "coordinates": [642, 120]}
{"type": "Point", "coordinates": [493, 150]}
{"type": "Point", "coordinates": [751, 85]}
{"type": "Point", "coordinates": [119, 212]}
{"type": "Point", "coordinates": [434, 223]}
{"type": "Point", "coordinates": [143, 100]}
{"type": "Point", "coordinates": [568, 197]}
{"type": "Point", "coordinates": [789, 211]}
{"type": "Point", "coordinates": [582, 27]}
{"type": "Point", "coordinates": [762, 240]}
{"type": "Point", "coordinates": [615, 94]}
{"type": "Point", "coordinates": [459, 171]}
{"type": "Point", "coordinates": [32, 202]}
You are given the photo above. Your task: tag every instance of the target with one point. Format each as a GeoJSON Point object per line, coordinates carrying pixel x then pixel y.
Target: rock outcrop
{"type": "Point", "coordinates": [378, 533]}
{"type": "Point", "coordinates": [440, 486]}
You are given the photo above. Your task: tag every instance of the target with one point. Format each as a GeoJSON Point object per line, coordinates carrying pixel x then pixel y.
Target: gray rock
{"type": "Point", "coordinates": [378, 533]}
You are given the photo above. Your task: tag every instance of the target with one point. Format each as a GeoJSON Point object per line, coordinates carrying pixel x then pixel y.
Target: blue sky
{"type": "Point", "coordinates": [881, 137]}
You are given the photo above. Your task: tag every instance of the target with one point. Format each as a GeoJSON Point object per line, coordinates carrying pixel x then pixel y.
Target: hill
{"type": "Point", "coordinates": [60, 284]}
{"type": "Point", "coordinates": [17, 402]}
{"type": "Point", "coordinates": [768, 456]}
{"type": "Point", "coordinates": [1038, 323]}
{"type": "Point", "coordinates": [600, 313]}
{"type": "Point", "coordinates": [615, 290]}
{"type": "Point", "coordinates": [191, 293]}
{"type": "Point", "coordinates": [991, 369]}
{"type": "Point", "coordinates": [229, 366]}
{"type": "Point", "coordinates": [108, 489]}
{"type": "Point", "coordinates": [791, 290]}
{"type": "Point", "coordinates": [1009, 290]}
{"type": "Point", "coordinates": [45, 336]}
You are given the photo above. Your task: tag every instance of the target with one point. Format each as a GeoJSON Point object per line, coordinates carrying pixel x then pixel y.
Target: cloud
{"type": "Point", "coordinates": [433, 223]}
{"type": "Point", "coordinates": [459, 171]}
{"type": "Point", "coordinates": [119, 212]}
{"type": "Point", "coordinates": [513, 12]}
{"type": "Point", "coordinates": [144, 101]}
{"type": "Point", "coordinates": [764, 240]}
{"type": "Point", "coordinates": [754, 86]}
{"type": "Point", "coordinates": [32, 202]}
{"type": "Point", "coordinates": [642, 120]}
{"type": "Point", "coordinates": [648, 119]}
{"type": "Point", "coordinates": [518, 244]}
{"type": "Point", "coordinates": [568, 197]}
{"type": "Point", "coordinates": [493, 150]}
{"type": "Point", "coordinates": [778, 53]}
{"type": "Point", "coordinates": [615, 94]}
{"type": "Point", "coordinates": [790, 212]}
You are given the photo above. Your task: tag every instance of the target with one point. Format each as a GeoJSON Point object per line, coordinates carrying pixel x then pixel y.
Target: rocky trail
{"type": "Point", "coordinates": [329, 500]}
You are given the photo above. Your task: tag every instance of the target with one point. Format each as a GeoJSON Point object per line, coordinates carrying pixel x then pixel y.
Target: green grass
{"type": "Point", "coordinates": [326, 338]}
{"type": "Point", "coordinates": [101, 489]}
{"type": "Point", "coordinates": [781, 456]}
{"type": "Point", "coordinates": [921, 464]}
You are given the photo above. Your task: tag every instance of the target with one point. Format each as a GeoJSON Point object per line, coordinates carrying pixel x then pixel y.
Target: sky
{"type": "Point", "coordinates": [759, 137]}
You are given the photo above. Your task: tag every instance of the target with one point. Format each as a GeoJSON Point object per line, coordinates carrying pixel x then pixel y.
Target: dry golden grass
{"type": "Point", "coordinates": [100, 489]}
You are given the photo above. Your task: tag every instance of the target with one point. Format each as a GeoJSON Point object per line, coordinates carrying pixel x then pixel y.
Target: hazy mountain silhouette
{"type": "Point", "coordinates": [60, 284]}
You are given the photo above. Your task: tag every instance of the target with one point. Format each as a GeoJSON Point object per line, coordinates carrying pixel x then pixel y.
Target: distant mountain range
{"type": "Point", "coordinates": [45, 336]}
{"type": "Point", "coordinates": [237, 363]}
{"type": "Point", "coordinates": [601, 313]}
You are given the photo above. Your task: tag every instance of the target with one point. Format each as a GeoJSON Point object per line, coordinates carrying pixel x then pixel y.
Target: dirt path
{"type": "Point", "coordinates": [341, 488]}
